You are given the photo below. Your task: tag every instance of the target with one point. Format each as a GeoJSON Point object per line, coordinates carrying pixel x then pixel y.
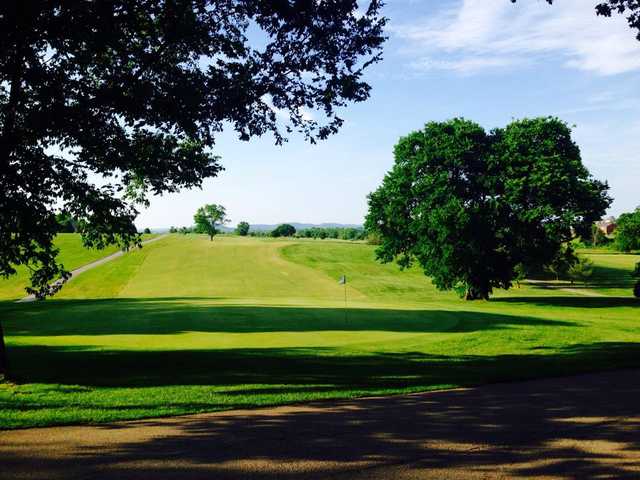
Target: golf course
{"type": "Point", "coordinates": [186, 325]}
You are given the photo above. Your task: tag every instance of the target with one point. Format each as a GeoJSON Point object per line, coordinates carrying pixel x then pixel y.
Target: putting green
{"type": "Point", "coordinates": [187, 325]}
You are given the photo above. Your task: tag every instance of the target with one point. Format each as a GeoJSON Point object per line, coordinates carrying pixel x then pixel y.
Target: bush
{"type": "Point", "coordinates": [628, 231]}
{"type": "Point", "coordinates": [284, 230]}
{"type": "Point", "coordinates": [581, 270]}
{"type": "Point", "coordinates": [243, 229]}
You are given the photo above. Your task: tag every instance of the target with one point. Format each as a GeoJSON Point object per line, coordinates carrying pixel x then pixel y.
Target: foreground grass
{"type": "Point", "coordinates": [186, 325]}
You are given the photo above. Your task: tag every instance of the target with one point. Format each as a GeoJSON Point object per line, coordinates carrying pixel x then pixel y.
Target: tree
{"type": "Point", "coordinates": [208, 218]}
{"type": "Point", "coordinates": [147, 230]}
{"type": "Point", "coordinates": [173, 230]}
{"type": "Point", "coordinates": [581, 270]}
{"type": "Point", "coordinates": [628, 231]}
{"type": "Point", "coordinates": [66, 223]}
{"type": "Point", "coordinates": [562, 262]}
{"type": "Point", "coordinates": [242, 229]}
{"type": "Point", "coordinates": [471, 206]}
{"type": "Point", "coordinates": [284, 230]}
{"type": "Point", "coordinates": [631, 8]}
{"type": "Point", "coordinates": [135, 92]}
{"type": "Point", "coordinates": [636, 274]}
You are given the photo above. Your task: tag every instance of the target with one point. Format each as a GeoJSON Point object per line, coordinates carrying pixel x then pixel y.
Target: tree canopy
{"type": "Point", "coordinates": [208, 218]}
{"type": "Point", "coordinates": [133, 93]}
{"type": "Point", "coordinates": [283, 230]}
{"type": "Point", "coordinates": [628, 231]}
{"type": "Point", "coordinates": [475, 208]}
{"type": "Point", "coordinates": [242, 229]}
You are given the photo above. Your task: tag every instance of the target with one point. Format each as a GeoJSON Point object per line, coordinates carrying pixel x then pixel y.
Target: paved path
{"type": "Point", "coordinates": [573, 428]}
{"type": "Point", "coordinates": [89, 266]}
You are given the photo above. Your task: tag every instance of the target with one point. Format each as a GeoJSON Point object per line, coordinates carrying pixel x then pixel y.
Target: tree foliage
{"type": "Point", "coordinates": [471, 206]}
{"type": "Point", "coordinates": [242, 229]}
{"type": "Point", "coordinates": [342, 233]}
{"type": "Point", "coordinates": [208, 218]}
{"type": "Point", "coordinates": [283, 230]}
{"type": "Point", "coordinates": [135, 92]}
{"type": "Point", "coordinates": [581, 270]}
{"type": "Point", "coordinates": [628, 231]}
{"type": "Point", "coordinates": [636, 274]}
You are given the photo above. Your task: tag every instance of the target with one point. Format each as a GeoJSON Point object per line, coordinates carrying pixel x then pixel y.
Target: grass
{"type": "Point", "coordinates": [73, 254]}
{"type": "Point", "coordinates": [186, 325]}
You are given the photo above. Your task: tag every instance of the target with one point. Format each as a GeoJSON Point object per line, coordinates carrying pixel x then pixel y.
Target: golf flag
{"type": "Point", "coordinates": [343, 280]}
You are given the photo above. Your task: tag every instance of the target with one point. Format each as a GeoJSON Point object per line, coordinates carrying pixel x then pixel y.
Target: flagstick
{"type": "Point", "coordinates": [345, 301]}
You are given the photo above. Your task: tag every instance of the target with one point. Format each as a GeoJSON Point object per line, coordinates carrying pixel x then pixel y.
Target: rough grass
{"type": "Point", "coordinates": [186, 325]}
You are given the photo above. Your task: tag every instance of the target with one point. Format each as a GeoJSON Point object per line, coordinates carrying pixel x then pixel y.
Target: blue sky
{"type": "Point", "coordinates": [486, 60]}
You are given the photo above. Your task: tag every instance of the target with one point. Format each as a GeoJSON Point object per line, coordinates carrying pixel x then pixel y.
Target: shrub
{"type": "Point", "coordinates": [284, 230]}
{"type": "Point", "coordinates": [628, 231]}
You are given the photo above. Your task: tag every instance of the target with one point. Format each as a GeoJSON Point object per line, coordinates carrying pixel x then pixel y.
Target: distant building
{"type": "Point", "coordinates": [607, 225]}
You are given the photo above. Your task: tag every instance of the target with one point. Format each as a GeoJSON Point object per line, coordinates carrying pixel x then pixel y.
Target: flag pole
{"type": "Point", "coordinates": [343, 281]}
{"type": "Point", "coordinates": [345, 300]}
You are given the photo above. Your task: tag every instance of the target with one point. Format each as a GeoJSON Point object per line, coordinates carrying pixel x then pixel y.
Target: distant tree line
{"type": "Point", "coordinates": [342, 233]}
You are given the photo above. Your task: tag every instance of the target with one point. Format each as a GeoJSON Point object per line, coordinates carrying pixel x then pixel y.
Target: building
{"type": "Point", "coordinates": [607, 225]}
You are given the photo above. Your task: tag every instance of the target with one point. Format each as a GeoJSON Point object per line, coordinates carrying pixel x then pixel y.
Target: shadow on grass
{"type": "Point", "coordinates": [586, 427]}
{"type": "Point", "coordinates": [170, 316]}
{"type": "Point", "coordinates": [300, 370]}
{"type": "Point", "coordinates": [573, 302]}
{"type": "Point", "coordinates": [602, 277]}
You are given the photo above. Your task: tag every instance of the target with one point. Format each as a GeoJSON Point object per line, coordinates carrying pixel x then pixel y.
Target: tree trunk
{"type": "Point", "coordinates": [476, 294]}
{"type": "Point", "coordinates": [4, 362]}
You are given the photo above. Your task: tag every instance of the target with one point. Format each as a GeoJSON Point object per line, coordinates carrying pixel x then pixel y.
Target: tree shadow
{"type": "Point", "coordinates": [155, 316]}
{"type": "Point", "coordinates": [573, 302]}
{"type": "Point", "coordinates": [573, 428]}
{"type": "Point", "coordinates": [602, 277]}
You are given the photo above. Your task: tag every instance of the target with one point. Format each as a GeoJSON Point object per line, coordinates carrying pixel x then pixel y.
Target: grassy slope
{"type": "Point", "coordinates": [187, 325]}
{"type": "Point", "coordinates": [72, 255]}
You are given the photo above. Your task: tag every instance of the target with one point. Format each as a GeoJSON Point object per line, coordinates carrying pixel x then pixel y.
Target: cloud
{"type": "Point", "coordinates": [474, 35]}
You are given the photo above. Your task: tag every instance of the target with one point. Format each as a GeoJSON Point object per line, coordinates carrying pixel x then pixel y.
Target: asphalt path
{"type": "Point", "coordinates": [569, 428]}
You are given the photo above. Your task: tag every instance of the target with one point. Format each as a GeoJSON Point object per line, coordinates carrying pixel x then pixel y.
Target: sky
{"type": "Point", "coordinates": [489, 61]}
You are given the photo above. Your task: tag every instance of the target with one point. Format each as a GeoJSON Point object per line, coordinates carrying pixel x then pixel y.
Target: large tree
{"type": "Point", "coordinates": [475, 208]}
{"type": "Point", "coordinates": [104, 102]}
{"type": "Point", "coordinates": [208, 218]}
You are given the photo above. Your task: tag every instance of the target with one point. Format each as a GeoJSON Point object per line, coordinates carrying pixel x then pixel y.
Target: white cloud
{"type": "Point", "coordinates": [473, 35]}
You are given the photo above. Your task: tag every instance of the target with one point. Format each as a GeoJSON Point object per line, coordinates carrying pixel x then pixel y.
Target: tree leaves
{"type": "Point", "coordinates": [133, 94]}
{"type": "Point", "coordinates": [476, 209]}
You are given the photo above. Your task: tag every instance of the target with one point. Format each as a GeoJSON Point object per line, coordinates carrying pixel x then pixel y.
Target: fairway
{"type": "Point", "coordinates": [188, 325]}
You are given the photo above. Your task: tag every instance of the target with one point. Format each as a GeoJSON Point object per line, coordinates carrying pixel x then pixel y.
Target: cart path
{"type": "Point", "coordinates": [89, 266]}
{"type": "Point", "coordinates": [572, 428]}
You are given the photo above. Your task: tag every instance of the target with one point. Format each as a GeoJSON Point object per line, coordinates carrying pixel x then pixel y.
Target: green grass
{"type": "Point", "coordinates": [73, 254]}
{"type": "Point", "coordinates": [186, 325]}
